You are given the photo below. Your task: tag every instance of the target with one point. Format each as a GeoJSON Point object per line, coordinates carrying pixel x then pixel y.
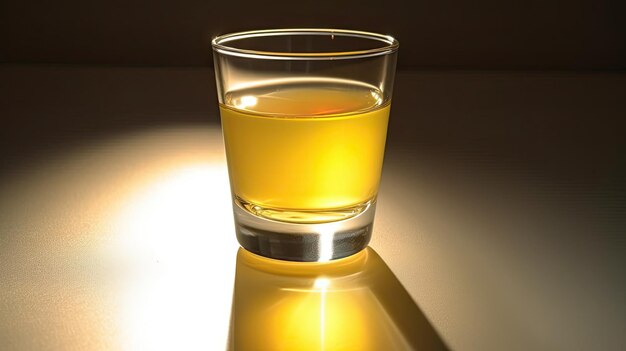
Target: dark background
{"type": "Point", "coordinates": [481, 34]}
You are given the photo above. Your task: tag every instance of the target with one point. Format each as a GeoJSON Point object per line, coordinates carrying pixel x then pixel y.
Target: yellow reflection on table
{"type": "Point", "coordinates": [354, 303]}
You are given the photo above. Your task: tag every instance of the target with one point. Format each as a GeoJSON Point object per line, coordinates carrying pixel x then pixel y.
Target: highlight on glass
{"type": "Point", "coordinates": [304, 116]}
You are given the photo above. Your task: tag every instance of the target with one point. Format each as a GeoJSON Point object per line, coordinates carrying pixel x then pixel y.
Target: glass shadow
{"type": "Point", "coordinates": [355, 303]}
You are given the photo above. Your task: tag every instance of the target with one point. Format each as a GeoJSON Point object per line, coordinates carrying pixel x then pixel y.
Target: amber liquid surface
{"type": "Point", "coordinates": [305, 152]}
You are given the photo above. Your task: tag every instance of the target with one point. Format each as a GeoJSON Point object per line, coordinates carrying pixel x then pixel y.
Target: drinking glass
{"type": "Point", "coordinates": [304, 116]}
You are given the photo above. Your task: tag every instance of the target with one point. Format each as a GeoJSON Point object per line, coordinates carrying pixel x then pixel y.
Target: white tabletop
{"type": "Point", "coordinates": [500, 223]}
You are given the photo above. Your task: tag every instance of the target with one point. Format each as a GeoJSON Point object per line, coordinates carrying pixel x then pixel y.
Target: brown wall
{"type": "Point", "coordinates": [480, 34]}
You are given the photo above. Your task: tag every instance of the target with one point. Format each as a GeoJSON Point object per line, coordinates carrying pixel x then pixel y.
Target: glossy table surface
{"type": "Point", "coordinates": [501, 221]}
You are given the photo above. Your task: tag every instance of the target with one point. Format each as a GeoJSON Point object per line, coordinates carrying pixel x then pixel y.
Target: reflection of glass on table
{"type": "Point", "coordinates": [355, 303]}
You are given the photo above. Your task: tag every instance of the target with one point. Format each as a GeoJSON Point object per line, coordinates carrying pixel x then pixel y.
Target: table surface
{"type": "Point", "coordinates": [500, 223]}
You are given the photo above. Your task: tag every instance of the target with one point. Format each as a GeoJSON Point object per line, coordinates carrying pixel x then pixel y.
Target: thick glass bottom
{"type": "Point", "coordinates": [305, 242]}
{"type": "Point", "coordinates": [302, 216]}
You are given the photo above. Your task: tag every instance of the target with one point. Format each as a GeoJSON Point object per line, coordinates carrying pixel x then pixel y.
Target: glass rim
{"type": "Point", "coordinates": [390, 44]}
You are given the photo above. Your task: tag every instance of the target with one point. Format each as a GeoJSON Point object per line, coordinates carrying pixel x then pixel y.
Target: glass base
{"type": "Point", "coordinates": [304, 242]}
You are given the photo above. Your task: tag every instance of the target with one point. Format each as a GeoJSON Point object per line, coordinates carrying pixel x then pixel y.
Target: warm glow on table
{"type": "Point", "coordinates": [135, 248]}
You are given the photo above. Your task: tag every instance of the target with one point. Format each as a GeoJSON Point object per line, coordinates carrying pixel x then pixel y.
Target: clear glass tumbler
{"type": "Point", "coordinates": [304, 114]}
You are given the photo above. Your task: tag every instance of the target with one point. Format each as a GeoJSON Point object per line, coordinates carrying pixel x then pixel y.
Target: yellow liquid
{"type": "Point", "coordinates": [305, 152]}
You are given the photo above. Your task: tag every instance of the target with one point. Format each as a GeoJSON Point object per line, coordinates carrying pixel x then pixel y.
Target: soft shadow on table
{"type": "Point", "coordinates": [355, 303]}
